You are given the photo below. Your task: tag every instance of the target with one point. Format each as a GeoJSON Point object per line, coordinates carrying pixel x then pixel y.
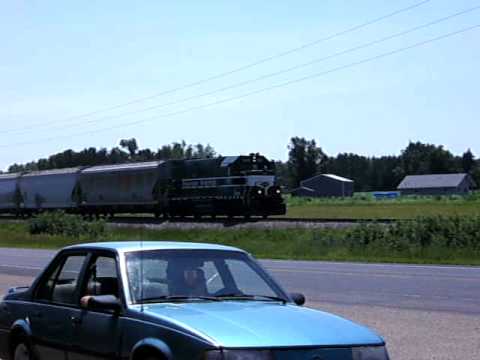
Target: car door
{"type": "Point", "coordinates": [97, 333]}
{"type": "Point", "coordinates": [55, 300]}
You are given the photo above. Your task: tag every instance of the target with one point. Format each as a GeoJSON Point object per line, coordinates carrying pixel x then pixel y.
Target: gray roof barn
{"type": "Point", "coordinates": [325, 185]}
{"type": "Point", "coordinates": [437, 184]}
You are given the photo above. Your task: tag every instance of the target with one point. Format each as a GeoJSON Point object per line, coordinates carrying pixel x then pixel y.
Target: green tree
{"type": "Point", "coordinates": [476, 176]}
{"type": "Point", "coordinates": [304, 159]}
{"type": "Point", "coordinates": [419, 158]}
{"type": "Point", "coordinates": [203, 152]}
{"type": "Point", "coordinates": [468, 161]}
{"type": "Point", "coordinates": [282, 173]}
{"type": "Point", "coordinates": [131, 145]}
{"type": "Point", "coordinates": [16, 168]}
{"type": "Point", "coordinates": [355, 167]}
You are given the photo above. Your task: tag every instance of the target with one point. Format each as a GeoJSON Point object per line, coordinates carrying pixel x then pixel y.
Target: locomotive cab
{"type": "Point", "coordinates": [228, 186]}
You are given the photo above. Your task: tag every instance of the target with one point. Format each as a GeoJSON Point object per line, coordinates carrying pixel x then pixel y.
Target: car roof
{"type": "Point", "coordinates": [129, 246]}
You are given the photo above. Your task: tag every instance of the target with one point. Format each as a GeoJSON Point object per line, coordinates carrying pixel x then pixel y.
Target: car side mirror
{"type": "Point", "coordinates": [298, 298]}
{"type": "Point", "coordinates": [102, 302]}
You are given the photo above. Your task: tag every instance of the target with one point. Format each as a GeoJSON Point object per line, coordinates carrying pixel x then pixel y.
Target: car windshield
{"type": "Point", "coordinates": [185, 275]}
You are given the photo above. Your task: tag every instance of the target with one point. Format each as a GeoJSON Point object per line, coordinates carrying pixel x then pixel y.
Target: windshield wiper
{"type": "Point", "coordinates": [236, 296]}
{"type": "Point", "coordinates": [176, 298]}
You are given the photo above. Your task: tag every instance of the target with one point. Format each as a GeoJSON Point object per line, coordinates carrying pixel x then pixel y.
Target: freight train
{"type": "Point", "coordinates": [222, 186]}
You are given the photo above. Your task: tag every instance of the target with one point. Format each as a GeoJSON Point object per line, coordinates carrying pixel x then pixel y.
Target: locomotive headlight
{"type": "Point", "coordinates": [259, 192]}
{"type": "Point", "coordinates": [278, 191]}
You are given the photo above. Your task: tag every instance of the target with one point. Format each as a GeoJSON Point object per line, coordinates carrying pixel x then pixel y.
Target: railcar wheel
{"type": "Point", "coordinates": [22, 352]}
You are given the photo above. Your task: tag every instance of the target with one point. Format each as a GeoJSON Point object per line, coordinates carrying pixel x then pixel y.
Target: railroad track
{"type": "Point", "coordinates": [239, 220]}
{"type": "Point", "coordinates": [150, 220]}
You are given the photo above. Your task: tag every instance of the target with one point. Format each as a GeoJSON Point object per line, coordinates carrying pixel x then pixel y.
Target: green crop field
{"type": "Point", "coordinates": [364, 206]}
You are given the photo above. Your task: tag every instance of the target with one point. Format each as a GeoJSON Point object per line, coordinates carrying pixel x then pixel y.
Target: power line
{"type": "Point", "coordinates": [262, 90]}
{"type": "Point", "coordinates": [230, 72]}
{"type": "Point", "coordinates": [283, 71]}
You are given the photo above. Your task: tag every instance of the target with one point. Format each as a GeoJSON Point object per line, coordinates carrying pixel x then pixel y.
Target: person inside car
{"type": "Point", "coordinates": [186, 279]}
{"type": "Point", "coordinates": [195, 282]}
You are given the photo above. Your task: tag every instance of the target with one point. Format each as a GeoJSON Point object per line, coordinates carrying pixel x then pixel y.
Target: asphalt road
{"type": "Point", "coordinates": [424, 312]}
{"type": "Point", "coordinates": [432, 288]}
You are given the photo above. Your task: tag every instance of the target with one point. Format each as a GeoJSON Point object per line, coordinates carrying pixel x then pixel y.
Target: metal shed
{"type": "Point", "coordinates": [49, 189]}
{"type": "Point", "coordinates": [325, 185]}
{"type": "Point", "coordinates": [437, 184]}
{"type": "Point", "coordinates": [9, 196]}
{"type": "Point", "coordinates": [115, 185]}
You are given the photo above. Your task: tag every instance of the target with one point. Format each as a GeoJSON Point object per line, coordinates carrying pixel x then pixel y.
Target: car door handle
{"type": "Point", "coordinates": [76, 320]}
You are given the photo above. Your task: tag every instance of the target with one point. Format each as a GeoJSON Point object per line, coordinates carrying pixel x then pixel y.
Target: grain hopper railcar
{"type": "Point", "coordinates": [9, 193]}
{"type": "Point", "coordinates": [124, 188]}
{"type": "Point", "coordinates": [49, 190]}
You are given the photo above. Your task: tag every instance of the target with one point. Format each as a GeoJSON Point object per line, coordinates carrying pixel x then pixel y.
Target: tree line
{"type": "Point", "coordinates": [305, 159]}
{"type": "Point", "coordinates": [127, 151]}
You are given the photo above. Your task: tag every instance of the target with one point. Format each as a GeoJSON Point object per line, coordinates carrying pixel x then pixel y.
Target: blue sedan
{"type": "Point", "coordinates": [165, 301]}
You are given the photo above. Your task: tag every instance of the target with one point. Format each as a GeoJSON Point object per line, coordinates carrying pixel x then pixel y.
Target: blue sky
{"type": "Point", "coordinates": [62, 59]}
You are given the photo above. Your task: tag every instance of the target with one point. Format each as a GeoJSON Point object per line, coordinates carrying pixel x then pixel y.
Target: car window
{"type": "Point", "coordinates": [157, 280]}
{"type": "Point", "coordinates": [154, 278]}
{"type": "Point", "coordinates": [212, 277]}
{"type": "Point", "coordinates": [102, 277]}
{"type": "Point", "coordinates": [60, 287]}
{"type": "Point", "coordinates": [247, 280]}
{"type": "Point", "coordinates": [195, 273]}
{"type": "Point", "coordinates": [44, 291]}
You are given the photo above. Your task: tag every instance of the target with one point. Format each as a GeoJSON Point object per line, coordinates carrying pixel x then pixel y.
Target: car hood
{"type": "Point", "coordinates": [263, 324]}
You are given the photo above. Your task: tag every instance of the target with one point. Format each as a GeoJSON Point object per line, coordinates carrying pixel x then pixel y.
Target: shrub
{"type": "Point", "coordinates": [473, 196]}
{"type": "Point", "coordinates": [413, 236]}
{"type": "Point", "coordinates": [61, 223]}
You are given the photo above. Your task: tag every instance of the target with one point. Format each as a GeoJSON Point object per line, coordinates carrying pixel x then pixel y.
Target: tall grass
{"type": "Point", "coordinates": [442, 239]}
{"type": "Point", "coordinates": [439, 240]}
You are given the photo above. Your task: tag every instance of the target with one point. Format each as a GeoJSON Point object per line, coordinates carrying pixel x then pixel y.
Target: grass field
{"type": "Point", "coordinates": [300, 244]}
{"type": "Point", "coordinates": [363, 206]}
